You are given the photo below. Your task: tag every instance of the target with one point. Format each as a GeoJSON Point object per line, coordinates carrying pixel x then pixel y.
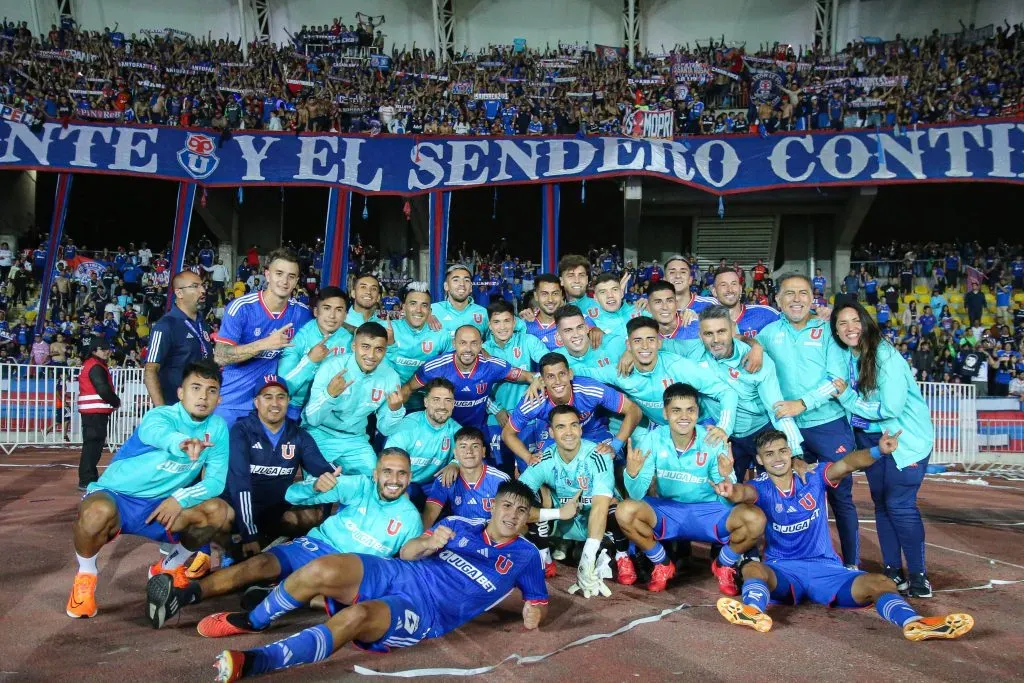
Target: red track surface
{"type": "Point", "coordinates": [968, 527]}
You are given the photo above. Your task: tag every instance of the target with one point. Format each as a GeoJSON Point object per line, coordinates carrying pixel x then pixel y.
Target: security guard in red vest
{"type": "Point", "coordinates": [96, 401]}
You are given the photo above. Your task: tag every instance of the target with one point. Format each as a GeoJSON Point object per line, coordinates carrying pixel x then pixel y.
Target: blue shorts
{"type": "Point", "coordinates": [134, 511]}
{"type": "Point", "coordinates": [689, 521]}
{"type": "Point", "coordinates": [297, 553]}
{"type": "Point", "coordinates": [825, 582]}
{"type": "Point", "coordinates": [412, 616]}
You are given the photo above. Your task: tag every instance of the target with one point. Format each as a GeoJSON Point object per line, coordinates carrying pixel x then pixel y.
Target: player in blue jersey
{"type": "Point", "coordinates": [470, 372]}
{"type": "Point", "coordinates": [375, 517]}
{"type": "Point", "coordinates": [266, 449]}
{"type": "Point", "coordinates": [471, 492]}
{"type": "Point", "coordinates": [588, 396]}
{"type": "Point", "coordinates": [679, 464]}
{"type": "Point", "coordinates": [800, 562]}
{"type": "Point", "coordinates": [679, 273]}
{"type": "Point", "coordinates": [548, 297]}
{"type": "Point", "coordinates": [255, 330]}
{"type": "Point", "coordinates": [150, 488]}
{"type": "Point", "coordinates": [398, 603]}
{"type": "Point", "coordinates": [428, 436]}
{"type": "Point", "coordinates": [749, 318]}
{"type": "Point", "coordinates": [805, 353]}
{"type": "Point", "coordinates": [316, 340]}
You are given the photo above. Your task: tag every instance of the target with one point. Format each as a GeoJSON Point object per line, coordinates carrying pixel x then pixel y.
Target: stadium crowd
{"type": "Point", "coordinates": [335, 78]}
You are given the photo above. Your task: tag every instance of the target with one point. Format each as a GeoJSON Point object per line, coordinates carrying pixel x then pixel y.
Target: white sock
{"type": "Point", "coordinates": [176, 557]}
{"type": "Point", "coordinates": [87, 565]}
{"type": "Point", "coordinates": [546, 556]}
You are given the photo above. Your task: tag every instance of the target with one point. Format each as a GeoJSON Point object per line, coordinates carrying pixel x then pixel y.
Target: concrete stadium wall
{"type": "Point", "coordinates": [667, 22]}
{"type": "Point", "coordinates": [195, 16]}
{"type": "Point", "coordinates": [408, 21]}
{"type": "Point", "coordinates": [886, 18]}
{"type": "Point", "coordinates": [484, 22]}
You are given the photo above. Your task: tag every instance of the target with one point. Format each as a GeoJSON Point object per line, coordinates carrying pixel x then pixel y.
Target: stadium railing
{"type": "Point", "coordinates": [39, 406]}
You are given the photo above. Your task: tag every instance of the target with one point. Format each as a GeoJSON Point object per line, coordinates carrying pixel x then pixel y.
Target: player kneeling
{"type": "Point", "coordinates": [446, 577]}
{"type": "Point", "coordinates": [150, 487]}
{"type": "Point", "coordinates": [800, 561]}
{"type": "Point", "coordinates": [679, 463]}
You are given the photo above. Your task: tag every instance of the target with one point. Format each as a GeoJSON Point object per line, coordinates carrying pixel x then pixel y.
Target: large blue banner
{"type": "Point", "coordinates": [992, 152]}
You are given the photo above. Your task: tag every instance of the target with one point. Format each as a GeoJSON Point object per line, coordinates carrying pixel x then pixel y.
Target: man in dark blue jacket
{"type": "Point", "coordinates": [266, 450]}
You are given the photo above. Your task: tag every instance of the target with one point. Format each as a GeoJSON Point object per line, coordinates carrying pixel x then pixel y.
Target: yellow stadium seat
{"type": "Point", "coordinates": [142, 320]}
{"type": "Point", "coordinates": [924, 298]}
{"type": "Point", "coordinates": [871, 310]}
{"type": "Point", "coordinates": [30, 316]}
{"type": "Point", "coordinates": [1018, 297]}
{"type": "Point", "coordinates": [142, 330]}
{"type": "Point", "coordinates": [921, 289]}
{"type": "Point", "coordinates": [988, 320]}
{"type": "Point", "coordinates": [956, 298]}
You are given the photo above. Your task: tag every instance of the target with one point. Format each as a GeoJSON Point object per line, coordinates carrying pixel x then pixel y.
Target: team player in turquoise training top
{"type": "Point", "coordinates": [800, 562]}
{"type": "Point", "coordinates": [376, 518]}
{"type": "Point", "coordinates": [612, 312]}
{"type": "Point", "coordinates": [458, 308]}
{"type": "Point", "coordinates": [572, 468]}
{"type": "Point", "coordinates": [681, 465]}
{"type": "Point", "coordinates": [444, 579]}
{"type": "Point", "coordinates": [346, 389]}
{"type": "Point", "coordinates": [879, 391]}
{"type": "Point", "coordinates": [316, 340]}
{"type": "Point", "coordinates": [256, 329]}
{"type": "Point", "coordinates": [411, 341]}
{"type": "Point", "coordinates": [162, 484]}
{"type": "Point", "coordinates": [428, 436]}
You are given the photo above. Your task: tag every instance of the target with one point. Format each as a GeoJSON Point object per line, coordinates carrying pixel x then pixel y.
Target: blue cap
{"type": "Point", "coordinates": [270, 381]}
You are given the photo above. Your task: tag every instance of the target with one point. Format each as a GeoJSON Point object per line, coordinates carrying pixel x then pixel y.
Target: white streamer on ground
{"type": "Point", "coordinates": [530, 659]}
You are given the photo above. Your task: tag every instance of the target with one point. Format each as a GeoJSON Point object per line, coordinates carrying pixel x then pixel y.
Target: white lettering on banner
{"type": "Point", "coordinates": [38, 146]}
{"type": "Point", "coordinates": [858, 154]}
{"type": "Point", "coordinates": [127, 145]}
{"type": "Point", "coordinates": [556, 157]}
{"type": "Point", "coordinates": [525, 160]}
{"type": "Point", "coordinates": [1001, 149]}
{"type": "Point", "coordinates": [957, 147]}
{"type": "Point", "coordinates": [253, 157]}
{"type": "Point", "coordinates": [349, 172]}
{"type": "Point", "coordinates": [463, 160]}
{"type": "Point", "coordinates": [612, 147]}
{"type": "Point", "coordinates": [730, 162]}
{"type": "Point", "coordinates": [674, 150]}
{"type": "Point", "coordinates": [84, 143]}
{"type": "Point", "coordinates": [910, 159]}
{"type": "Point", "coordinates": [780, 155]}
{"type": "Point", "coordinates": [425, 156]}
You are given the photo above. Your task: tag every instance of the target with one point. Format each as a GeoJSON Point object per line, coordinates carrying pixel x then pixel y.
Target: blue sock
{"type": "Point", "coordinates": [656, 554]}
{"type": "Point", "coordinates": [727, 558]}
{"type": "Point", "coordinates": [206, 549]}
{"type": "Point", "coordinates": [305, 647]}
{"type": "Point", "coordinates": [273, 606]}
{"type": "Point", "coordinates": [755, 594]}
{"type": "Point", "coordinates": [895, 610]}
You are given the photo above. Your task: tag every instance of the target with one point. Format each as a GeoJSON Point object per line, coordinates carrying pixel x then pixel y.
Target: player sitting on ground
{"type": "Point", "coordinates": [680, 464]}
{"type": "Point", "coordinates": [572, 467]}
{"type": "Point", "coordinates": [266, 448]}
{"type": "Point", "coordinates": [376, 518]}
{"type": "Point", "coordinates": [150, 488]}
{"type": "Point", "coordinates": [800, 561]}
{"type": "Point", "coordinates": [446, 577]}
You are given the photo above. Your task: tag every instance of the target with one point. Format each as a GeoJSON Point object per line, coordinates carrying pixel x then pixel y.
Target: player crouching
{"type": "Point", "coordinates": [800, 561]}
{"type": "Point", "coordinates": [150, 487]}
{"type": "Point", "coordinates": [401, 602]}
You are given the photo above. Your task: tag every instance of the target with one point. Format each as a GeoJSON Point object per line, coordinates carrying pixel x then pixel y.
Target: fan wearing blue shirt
{"type": "Point", "coordinates": [800, 562]}
{"type": "Point", "coordinates": [398, 603]}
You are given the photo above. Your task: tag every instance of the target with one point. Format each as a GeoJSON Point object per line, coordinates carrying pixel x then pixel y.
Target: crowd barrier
{"type": "Point", "coordinates": [39, 408]}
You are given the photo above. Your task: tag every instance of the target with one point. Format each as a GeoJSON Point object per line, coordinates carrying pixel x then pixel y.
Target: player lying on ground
{"type": "Point", "coordinates": [800, 561]}
{"type": "Point", "coordinates": [400, 602]}
{"type": "Point", "coordinates": [677, 460]}
{"type": "Point", "coordinates": [150, 488]}
{"type": "Point", "coordinates": [376, 518]}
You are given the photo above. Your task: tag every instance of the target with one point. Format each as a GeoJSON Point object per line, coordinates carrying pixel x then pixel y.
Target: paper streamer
{"type": "Point", "coordinates": [520, 659]}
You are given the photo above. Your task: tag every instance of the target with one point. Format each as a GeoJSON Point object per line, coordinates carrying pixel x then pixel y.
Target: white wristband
{"type": "Point", "coordinates": [548, 514]}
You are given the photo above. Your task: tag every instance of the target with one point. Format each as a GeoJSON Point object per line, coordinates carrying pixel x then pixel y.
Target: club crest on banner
{"type": "Point", "coordinates": [198, 157]}
{"type": "Point", "coordinates": [765, 87]}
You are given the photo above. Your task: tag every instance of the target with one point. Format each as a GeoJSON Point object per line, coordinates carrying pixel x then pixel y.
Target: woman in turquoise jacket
{"type": "Point", "coordinates": [877, 388]}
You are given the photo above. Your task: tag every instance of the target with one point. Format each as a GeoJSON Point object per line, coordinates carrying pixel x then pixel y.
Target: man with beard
{"type": "Point", "coordinates": [376, 518]}
{"type": "Point", "coordinates": [458, 308]}
{"type": "Point", "coordinates": [411, 340]}
{"type": "Point", "coordinates": [749, 318]}
{"type": "Point", "coordinates": [548, 297]}
{"type": "Point", "coordinates": [365, 302]}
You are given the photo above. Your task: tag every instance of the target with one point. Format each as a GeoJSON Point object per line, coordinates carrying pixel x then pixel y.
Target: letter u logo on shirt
{"type": "Point", "coordinates": [288, 451]}
{"type": "Point", "coordinates": [427, 346]}
{"type": "Point", "coordinates": [808, 502]}
{"type": "Point", "coordinates": [487, 503]}
{"type": "Point", "coordinates": [702, 457]}
{"type": "Point", "coordinates": [376, 395]}
{"type": "Point", "coordinates": [816, 333]}
{"type": "Point", "coordinates": [478, 318]}
{"type": "Point", "coordinates": [502, 565]}
{"type": "Point", "coordinates": [393, 526]}
{"type": "Point", "coordinates": [584, 482]}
